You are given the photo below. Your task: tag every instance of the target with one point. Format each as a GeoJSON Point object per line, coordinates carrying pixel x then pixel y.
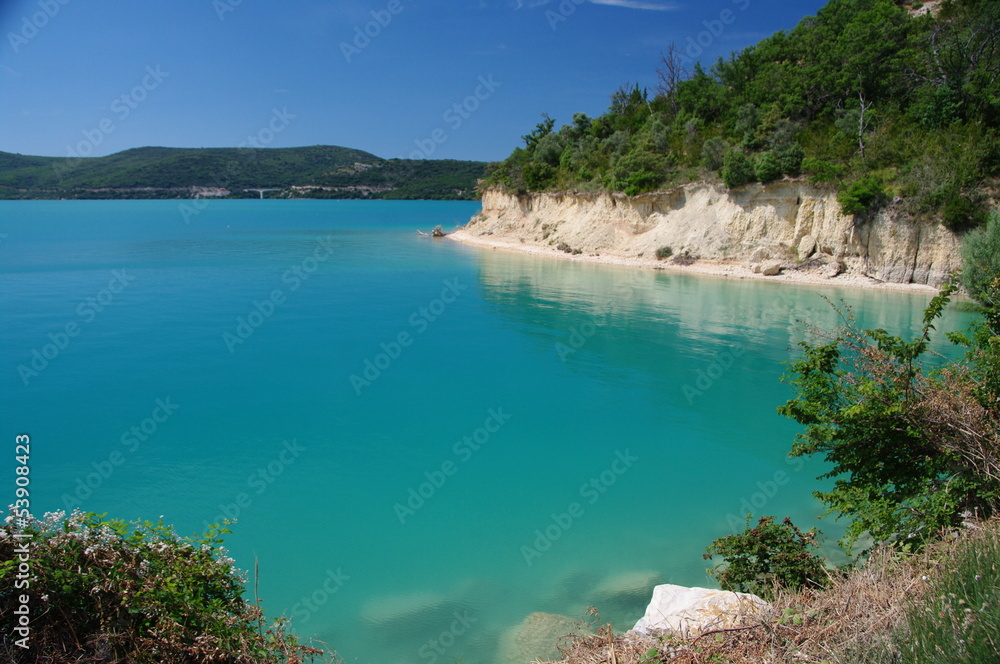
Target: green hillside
{"type": "Point", "coordinates": [308, 172]}
{"type": "Point", "coordinates": [876, 98]}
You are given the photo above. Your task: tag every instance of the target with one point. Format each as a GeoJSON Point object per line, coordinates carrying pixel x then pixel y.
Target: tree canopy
{"type": "Point", "coordinates": [868, 91]}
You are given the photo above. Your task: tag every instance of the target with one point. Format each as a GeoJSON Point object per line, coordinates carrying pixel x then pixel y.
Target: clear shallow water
{"type": "Point", "coordinates": [530, 435]}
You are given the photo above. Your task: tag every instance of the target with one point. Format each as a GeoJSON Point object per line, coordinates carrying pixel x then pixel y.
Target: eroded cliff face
{"type": "Point", "coordinates": [753, 224]}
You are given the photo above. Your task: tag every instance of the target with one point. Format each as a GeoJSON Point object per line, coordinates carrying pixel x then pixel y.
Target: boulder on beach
{"type": "Point", "coordinates": [771, 269]}
{"type": "Point", "coordinates": [807, 246]}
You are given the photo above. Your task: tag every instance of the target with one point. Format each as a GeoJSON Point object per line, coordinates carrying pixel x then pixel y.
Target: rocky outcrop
{"type": "Point", "coordinates": [788, 221]}
{"type": "Point", "coordinates": [686, 611]}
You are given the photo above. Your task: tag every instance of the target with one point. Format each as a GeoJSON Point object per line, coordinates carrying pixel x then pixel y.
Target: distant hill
{"type": "Point", "coordinates": [319, 171]}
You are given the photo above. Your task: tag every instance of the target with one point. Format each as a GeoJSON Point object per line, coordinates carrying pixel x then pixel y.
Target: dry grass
{"type": "Point", "coordinates": [854, 620]}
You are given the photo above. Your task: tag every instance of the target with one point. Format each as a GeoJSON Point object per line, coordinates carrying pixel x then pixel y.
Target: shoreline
{"type": "Point", "coordinates": [722, 269]}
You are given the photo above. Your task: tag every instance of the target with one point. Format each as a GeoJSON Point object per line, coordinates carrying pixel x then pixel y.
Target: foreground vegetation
{"type": "Point", "coordinates": [310, 172]}
{"type": "Point", "coordinates": [939, 606]}
{"type": "Point", "coordinates": [105, 591]}
{"type": "Point", "coordinates": [870, 96]}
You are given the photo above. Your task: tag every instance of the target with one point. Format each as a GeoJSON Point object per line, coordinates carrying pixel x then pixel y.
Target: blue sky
{"type": "Point", "coordinates": [101, 76]}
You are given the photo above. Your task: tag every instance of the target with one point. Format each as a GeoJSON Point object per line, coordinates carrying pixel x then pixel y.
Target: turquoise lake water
{"type": "Point", "coordinates": [423, 442]}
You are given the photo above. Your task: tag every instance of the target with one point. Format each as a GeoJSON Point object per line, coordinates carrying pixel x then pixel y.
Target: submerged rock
{"type": "Point", "coordinates": [624, 592]}
{"type": "Point", "coordinates": [537, 638]}
{"type": "Point", "coordinates": [687, 611]}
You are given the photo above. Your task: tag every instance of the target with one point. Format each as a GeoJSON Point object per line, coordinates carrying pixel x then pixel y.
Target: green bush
{"type": "Point", "coordinates": [664, 252]}
{"type": "Point", "coordinates": [713, 153]}
{"type": "Point", "coordinates": [107, 591]}
{"type": "Point", "coordinates": [913, 450]}
{"type": "Point", "coordinates": [821, 170]}
{"type": "Point", "coordinates": [861, 197]}
{"type": "Point", "coordinates": [737, 169]}
{"type": "Point", "coordinates": [767, 557]}
{"type": "Point", "coordinates": [790, 159]}
{"type": "Point", "coordinates": [981, 260]}
{"type": "Point", "coordinates": [962, 212]}
{"type": "Point", "coordinates": [538, 176]}
{"type": "Point", "coordinates": [767, 168]}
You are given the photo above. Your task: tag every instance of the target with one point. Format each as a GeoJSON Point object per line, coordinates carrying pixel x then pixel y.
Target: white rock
{"type": "Point", "coordinates": [807, 246]}
{"type": "Point", "coordinates": [771, 269]}
{"type": "Point", "coordinates": [686, 611]}
{"type": "Point", "coordinates": [832, 269]}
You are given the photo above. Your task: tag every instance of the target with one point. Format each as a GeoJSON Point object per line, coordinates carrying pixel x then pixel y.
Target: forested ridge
{"type": "Point", "coordinates": [308, 172]}
{"type": "Point", "coordinates": [878, 98]}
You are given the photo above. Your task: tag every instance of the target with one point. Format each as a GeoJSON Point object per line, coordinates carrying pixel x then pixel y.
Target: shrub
{"type": "Point", "coordinates": [790, 159]}
{"type": "Point", "coordinates": [821, 171]}
{"type": "Point", "coordinates": [767, 167]}
{"type": "Point", "coordinates": [638, 171]}
{"type": "Point", "coordinates": [538, 175]}
{"type": "Point", "coordinates": [913, 451]}
{"type": "Point", "coordinates": [737, 169]}
{"type": "Point", "coordinates": [981, 260]}
{"type": "Point", "coordinates": [664, 252]}
{"type": "Point", "coordinates": [861, 197]}
{"type": "Point", "coordinates": [713, 153]}
{"type": "Point", "coordinates": [106, 591]}
{"type": "Point", "coordinates": [961, 213]}
{"type": "Point", "coordinates": [767, 557]}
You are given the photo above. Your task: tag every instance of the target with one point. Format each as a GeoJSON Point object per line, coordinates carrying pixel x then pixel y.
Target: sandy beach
{"type": "Point", "coordinates": [724, 269]}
